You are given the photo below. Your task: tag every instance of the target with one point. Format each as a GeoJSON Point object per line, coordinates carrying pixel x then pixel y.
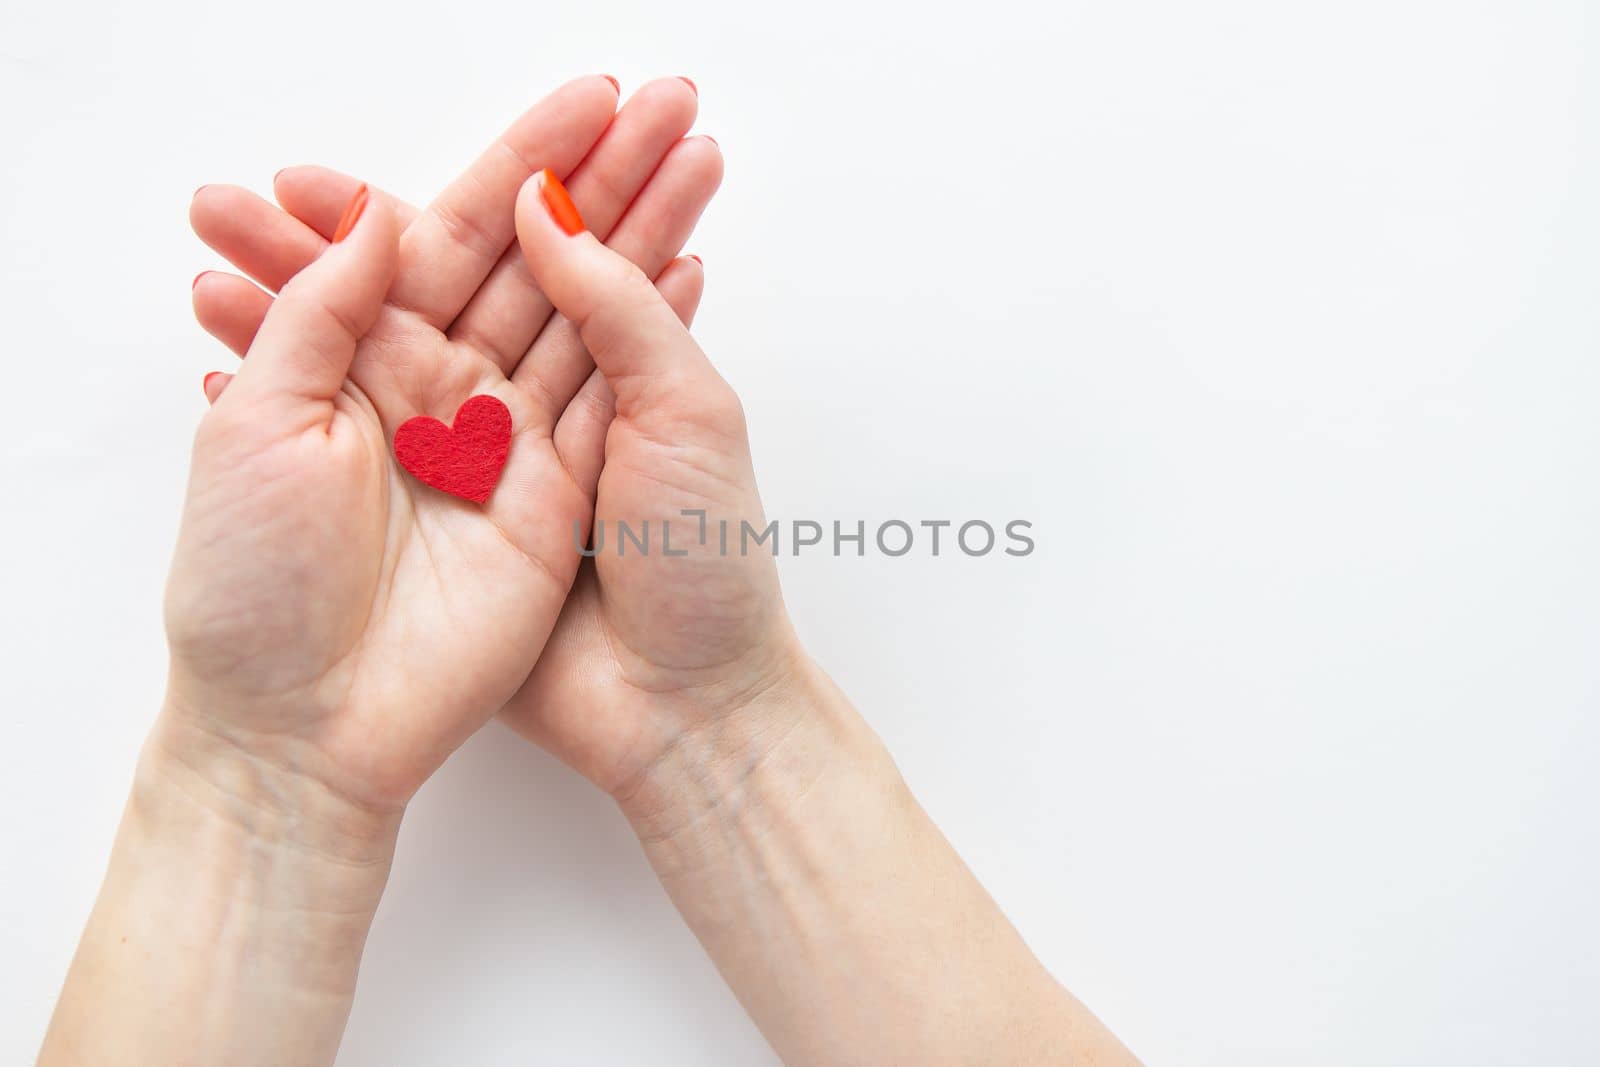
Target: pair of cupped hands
{"type": "Point", "coordinates": [338, 628]}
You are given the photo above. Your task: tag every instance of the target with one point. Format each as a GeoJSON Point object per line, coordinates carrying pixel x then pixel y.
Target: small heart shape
{"type": "Point", "coordinates": [463, 459]}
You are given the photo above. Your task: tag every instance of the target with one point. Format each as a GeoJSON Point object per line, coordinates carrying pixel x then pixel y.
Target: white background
{"type": "Point", "coordinates": [1278, 320]}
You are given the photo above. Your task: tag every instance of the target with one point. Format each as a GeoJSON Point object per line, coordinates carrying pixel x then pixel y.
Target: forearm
{"type": "Point", "coordinates": [231, 921]}
{"type": "Point", "coordinates": [841, 917]}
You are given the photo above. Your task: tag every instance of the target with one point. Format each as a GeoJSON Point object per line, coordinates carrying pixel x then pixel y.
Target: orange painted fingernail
{"type": "Point", "coordinates": [614, 83]}
{"type": "Point", "coordinates": [559, 203]}
{"type": "Point", "coordinates": [197, 278]}
{"type": "Point", "coordinates": [690, 84]}
{"type": "Point", "coordinates": [352, 214]}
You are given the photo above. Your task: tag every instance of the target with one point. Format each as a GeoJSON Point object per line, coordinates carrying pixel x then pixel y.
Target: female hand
{"type": "Point", "coordinates": [337, 629]}
{"type": "Point", "coordinates": [328, 614]}
{"type": "Point", "coordinates": [666, 654]}
{"type": "Point", "coordinates": [840, 916]}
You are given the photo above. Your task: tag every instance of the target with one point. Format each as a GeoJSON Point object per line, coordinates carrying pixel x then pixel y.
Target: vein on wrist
{"type": "Point", "coordinates": [188, 772]}
{"type": "Point", "coordinates": [747, 774]}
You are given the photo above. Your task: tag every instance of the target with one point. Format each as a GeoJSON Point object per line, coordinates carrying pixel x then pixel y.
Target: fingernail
{"type": "Point", "coordinates": [205, 383]}
{"type": "Point", "coordinates": [712, 139]}
{"type": "Point", "coordinates": [352, 214]}
{"type": "Point", "coordinates": [690, 84]}
{"type": "Point", "coordinates": [614, 83]}
{"type": "Point", "coordinates": [559, 203]}
{"type": "Point", "coordinates": [197, 278]}
{"type": "Point", "coordinates": [696, 258]}
{"type": "Point", "coordinates": [200, 190]}
{"type": "Point", "coordinates": [278, 175]}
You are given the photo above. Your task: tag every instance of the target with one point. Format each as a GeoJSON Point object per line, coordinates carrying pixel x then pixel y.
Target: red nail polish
{"type": "Point", "coordinates": [614, 83]}
{"type": "Point", "coordinates": [559, 203]}
{"type": "Point", "coordinates": [690, 84]}
{"type": "Point", "coordinates": [352, 214]}
{"type": "Point", "coordinates": [197, 278]}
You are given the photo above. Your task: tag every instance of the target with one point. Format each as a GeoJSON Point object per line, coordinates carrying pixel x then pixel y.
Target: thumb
{"type": "Point", "coordinates": [629, 329]}
{"type": "Point", "coordinates": [308, 338]}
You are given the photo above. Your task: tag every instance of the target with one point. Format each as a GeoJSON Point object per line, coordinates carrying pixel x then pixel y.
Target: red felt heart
{"type": "Point", "coordinates": [464, 459]}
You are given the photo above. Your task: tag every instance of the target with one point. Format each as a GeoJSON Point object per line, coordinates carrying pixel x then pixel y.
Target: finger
{"type": "Point", "coordinates": [252, 234]}
{"type": "Point", "coordinates": [580, 436]}
{"type": "Point", "coordinates": [317, 197]}
{"type": "Point", "coordinates": [654, 120]}
{"type": "Point", "coordinates": [304, 348]}
{"type": "Point", "coordinates": [635, 338]}
{"type": "Point", "coordinates": [268, 244]}
{"type": "Point", "coordinates": [650, 234]}
{"type": "Point", "coordinates": [505, 315]}
{"type": "Point", "coordinates": [229, 308]}
{"type": "Point", "coordinates": [214, 383]}
{"type": "Point", "coordinates": [453, 245]}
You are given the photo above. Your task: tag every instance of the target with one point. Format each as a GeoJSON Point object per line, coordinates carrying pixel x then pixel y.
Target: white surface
{"type": "Point", "coordinates": [1278, 320]}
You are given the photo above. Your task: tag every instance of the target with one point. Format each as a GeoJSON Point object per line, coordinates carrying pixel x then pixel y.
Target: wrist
{"type": "Point", "coordinates": [197, 779]}
{"type": "Point", "coordinates": [278, 875]}
{"type": "Point", "coordinates": [233, 915]}
{"type": "Point", "coordinates": [749, 770]}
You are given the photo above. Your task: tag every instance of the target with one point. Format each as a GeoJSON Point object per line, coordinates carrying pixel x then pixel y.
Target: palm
{"type": "Point", "coordinates": [479, 588]}
{"type": "Point", "coordinates": [340, 566]}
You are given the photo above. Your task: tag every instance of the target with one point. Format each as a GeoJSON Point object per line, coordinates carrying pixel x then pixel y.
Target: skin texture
{"type": "Point", "coordinates": [337, 630]}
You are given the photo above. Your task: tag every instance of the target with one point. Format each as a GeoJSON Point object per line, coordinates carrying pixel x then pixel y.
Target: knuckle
{"type": "Point", "coordinates": [466, 231]}
{"type": "Point", "coordinates": [623, 293]}
{"type": "Point", "coordinates": [624, 280]}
